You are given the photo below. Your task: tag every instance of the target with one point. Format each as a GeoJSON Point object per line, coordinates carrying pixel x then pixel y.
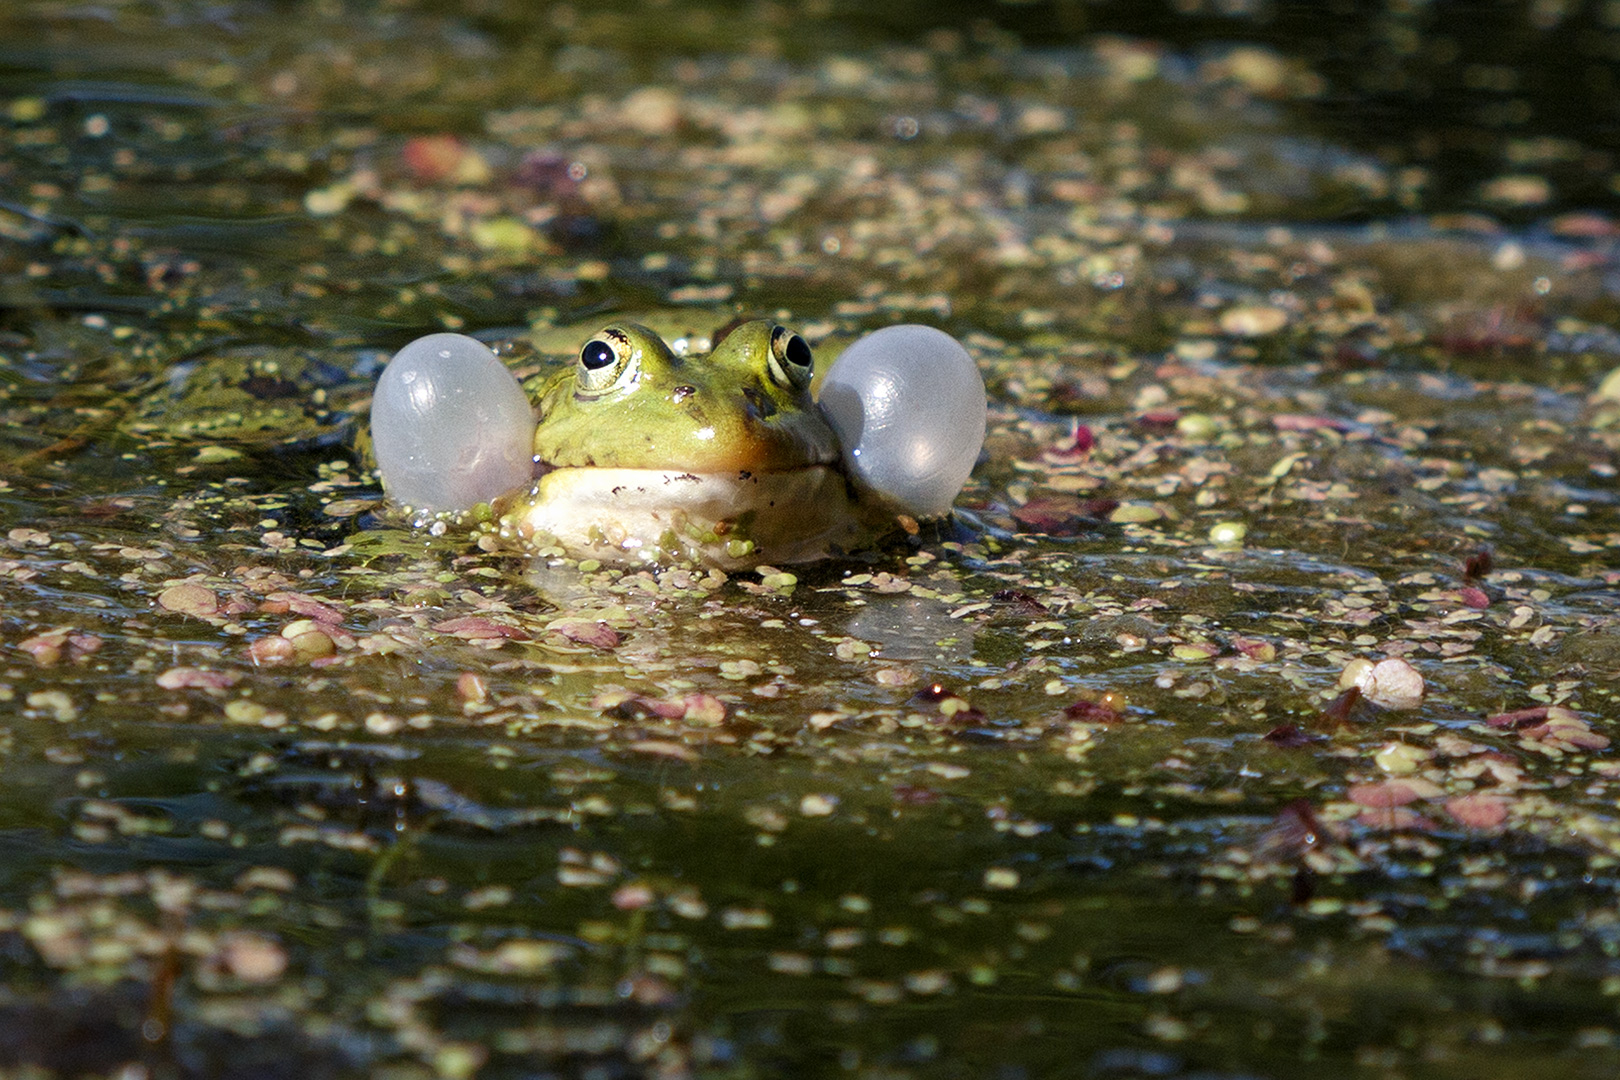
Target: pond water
{"type": "Point", "coordinates": [1105, 785]}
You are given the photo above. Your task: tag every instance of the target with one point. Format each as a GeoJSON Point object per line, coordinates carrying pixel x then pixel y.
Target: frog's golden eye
{"type": "Point", "coordinates": [791, 361]}
{"type": "Point", "coordinates": [605, 362]}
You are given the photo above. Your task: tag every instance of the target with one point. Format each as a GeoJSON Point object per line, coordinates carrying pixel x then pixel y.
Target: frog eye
{"type": "Point", "coordinates": [791, 361]}
{"type": "Point", "coordinates": [603, 363]}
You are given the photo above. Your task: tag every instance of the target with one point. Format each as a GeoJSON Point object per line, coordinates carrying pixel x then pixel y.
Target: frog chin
{"type": "Point", "coordinates": [731, 520]}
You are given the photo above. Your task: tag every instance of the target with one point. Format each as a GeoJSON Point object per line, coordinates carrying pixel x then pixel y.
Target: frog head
{"type": "Point", "coordinates": [721, 458]}
{"type": "Point", "coordinates": [630, 402]}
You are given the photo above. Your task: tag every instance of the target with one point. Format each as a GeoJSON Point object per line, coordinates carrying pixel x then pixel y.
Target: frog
{"type": "Point", "coordinates": [640, 451]}
{"type": "Point", "coordinates": [719, 459]}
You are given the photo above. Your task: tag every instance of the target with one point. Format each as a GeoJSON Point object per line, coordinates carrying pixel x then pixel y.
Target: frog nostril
{"type": "Point", "coordinates": [681, 393]}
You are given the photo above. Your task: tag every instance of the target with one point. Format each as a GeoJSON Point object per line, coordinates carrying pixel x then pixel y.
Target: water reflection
{"type": "Point", "coordinates": [912, 628]}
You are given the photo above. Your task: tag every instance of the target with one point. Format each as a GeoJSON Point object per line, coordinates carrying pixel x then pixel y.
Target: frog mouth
{"type": "Point", "coordinates": [732, 518]}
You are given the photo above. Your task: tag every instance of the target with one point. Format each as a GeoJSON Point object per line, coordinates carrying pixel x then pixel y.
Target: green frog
{"type": "Point", "coordinates": [639, 452]}
{"type": "Point", "coordinates": [720, 459]}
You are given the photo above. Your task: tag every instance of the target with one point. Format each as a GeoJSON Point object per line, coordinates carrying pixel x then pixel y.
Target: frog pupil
{"type": "Point", "coordinates": [797, 351]}
{"type": "Point", "coordinates": [596, 355]}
